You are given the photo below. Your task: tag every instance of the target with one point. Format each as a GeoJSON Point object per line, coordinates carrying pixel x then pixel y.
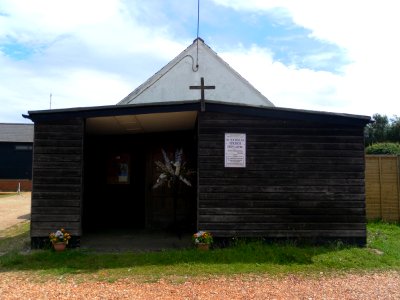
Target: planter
{"type": "Point", "coordinates": [203, 246]}
{"type": "Point", "coordinates": [59, 247]}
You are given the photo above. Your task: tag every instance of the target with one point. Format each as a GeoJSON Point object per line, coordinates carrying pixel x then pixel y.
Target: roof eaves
{"type": "Point", "coordinates": [217, 106]}
{"type": "Point", "coordinates": [112, 110]}
{"type": "Point", "coordinates": [288, 113]}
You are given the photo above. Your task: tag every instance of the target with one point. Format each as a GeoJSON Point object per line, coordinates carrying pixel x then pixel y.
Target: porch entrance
{"type": "Point", "coordinates": [119, 174]}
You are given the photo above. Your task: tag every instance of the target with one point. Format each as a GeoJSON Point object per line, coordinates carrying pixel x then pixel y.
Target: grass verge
{"type": "Point", "coordinates": [15, 238]}
{"type": "Point", "coordinates": [244, 258]}
{"type": "Point", "coordinates": [4, 195]}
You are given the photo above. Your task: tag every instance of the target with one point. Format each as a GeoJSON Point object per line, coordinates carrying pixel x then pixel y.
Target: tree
{"type": "Point", "coordinates": [394, 130]}
{"type": "Point", "coordinates": [382, 130]}
{"type": "Point", "coordinates": [377, 131]}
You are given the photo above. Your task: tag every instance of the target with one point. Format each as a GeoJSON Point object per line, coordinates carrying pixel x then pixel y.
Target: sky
{"type": "Point", "coordinates": [333, 55]}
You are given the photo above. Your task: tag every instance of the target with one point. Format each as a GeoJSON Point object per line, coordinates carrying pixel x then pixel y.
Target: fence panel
{"type": "Point", "coordinates": [382, 188]}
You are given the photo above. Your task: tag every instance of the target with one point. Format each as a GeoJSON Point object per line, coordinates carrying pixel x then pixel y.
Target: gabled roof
{"type": "Point", "coordinates": [198, 61]}
{"type": "Point", "coordinates": [18, 133]}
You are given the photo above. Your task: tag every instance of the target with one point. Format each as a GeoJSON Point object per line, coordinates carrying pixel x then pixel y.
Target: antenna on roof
{"type": "Point", "coordinates": [198, 29]}
{"type": "Point", "coordinates": [50, 99]}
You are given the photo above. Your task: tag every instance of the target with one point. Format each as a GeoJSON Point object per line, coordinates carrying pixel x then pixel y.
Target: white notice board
{"type": "Point", "coordinates": [235, 150]}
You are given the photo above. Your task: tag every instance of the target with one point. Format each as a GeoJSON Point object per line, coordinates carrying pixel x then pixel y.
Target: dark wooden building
{"type": "Point", "coordinates": [16, 143]}
{"type": "Point", "coordinates": [261, 171]}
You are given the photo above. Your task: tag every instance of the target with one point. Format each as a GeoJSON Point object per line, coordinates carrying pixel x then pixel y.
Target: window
{"type": "Point", "coordinates": [23, 147]}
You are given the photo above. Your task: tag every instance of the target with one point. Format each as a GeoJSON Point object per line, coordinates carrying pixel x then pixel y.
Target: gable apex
{"type": "Point", "coordinates": [173, 81]}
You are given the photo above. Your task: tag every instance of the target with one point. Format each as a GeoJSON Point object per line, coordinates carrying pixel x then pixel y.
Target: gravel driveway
{"type": "Point", "coordinates": [351, 286]}
{"type": "Point", "coordinates": [14, 209]}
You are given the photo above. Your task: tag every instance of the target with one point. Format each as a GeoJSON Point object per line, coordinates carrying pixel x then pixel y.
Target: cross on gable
{"type": "Point", "coordinates": [202, 87]}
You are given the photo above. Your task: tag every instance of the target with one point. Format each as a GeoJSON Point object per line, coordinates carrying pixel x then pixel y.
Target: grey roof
{"type": "Point", "coordinates": [13, 132]}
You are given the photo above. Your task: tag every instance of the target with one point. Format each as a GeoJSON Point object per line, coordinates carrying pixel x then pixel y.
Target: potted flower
{"type": "Point", "coordinates": [59, 239]}
{"type": "Point", "coordinates": [202, 240]}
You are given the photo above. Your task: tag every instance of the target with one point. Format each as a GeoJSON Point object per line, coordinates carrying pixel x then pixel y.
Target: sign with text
{"type": "Point", "coordinates": [235, 150]}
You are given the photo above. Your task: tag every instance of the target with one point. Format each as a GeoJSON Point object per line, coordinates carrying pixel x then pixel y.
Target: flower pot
{"type": "Point", "coordinates": [58, 247]}
{"type": "Point", "coordinates": [203, 246]}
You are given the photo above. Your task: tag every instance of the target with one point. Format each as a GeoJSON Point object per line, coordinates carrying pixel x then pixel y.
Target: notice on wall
{"type": "Point", "coordinates": [118, 169]}
{"type": "Point", "coordinates": [235, 150]}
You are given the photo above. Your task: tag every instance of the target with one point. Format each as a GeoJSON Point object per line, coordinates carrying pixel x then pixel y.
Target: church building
{"type": "Point", "coordinates": [245, 167]}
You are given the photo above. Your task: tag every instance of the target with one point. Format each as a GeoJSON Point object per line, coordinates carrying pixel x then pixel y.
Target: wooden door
{"type": "Point", "coordinates": [160, 201]}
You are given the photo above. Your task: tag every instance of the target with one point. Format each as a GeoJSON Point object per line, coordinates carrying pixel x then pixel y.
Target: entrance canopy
{"type": "Point", "coordinates": [142, 123]}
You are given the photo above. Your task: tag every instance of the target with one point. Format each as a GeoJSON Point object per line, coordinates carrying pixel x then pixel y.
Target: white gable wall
{"type": "Point", "coordinates": [172, 82]}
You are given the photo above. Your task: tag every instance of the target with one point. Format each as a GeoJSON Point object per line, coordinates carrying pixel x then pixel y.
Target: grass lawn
{"type": "Point", "coordinates": [15, 238]}
{"type": "Point", "coordinates": [382, 253]}
{"type": "Point", "coordinates": [4, 195]}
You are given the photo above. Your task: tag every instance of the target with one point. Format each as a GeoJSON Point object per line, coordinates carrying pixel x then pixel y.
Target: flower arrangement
{"type": "Point", "coordinates": [172, 171]}
{"type": "Point", "coordinates": [60, 236]}
{"type": "Point", "coordinates": [202, 237]}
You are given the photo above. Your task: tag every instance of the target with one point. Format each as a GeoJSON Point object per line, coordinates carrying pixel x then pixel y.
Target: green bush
{"type": "Point", "coordinates": [383, 148]}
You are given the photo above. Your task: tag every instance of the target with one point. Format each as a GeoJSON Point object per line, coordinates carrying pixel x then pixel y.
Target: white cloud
{"type": "Point", "coordinates": [44, 18]}
{"type": "Point", "coordinates": [367, 31]}
{"type": "Point", "coordinates": [284, 86]}
{"type": "Point", "coordinates": [107, 26]}
{"type": "Point", "coordinates": [84, 56]}
{"type": "Point", "coordinates": [96, 52]}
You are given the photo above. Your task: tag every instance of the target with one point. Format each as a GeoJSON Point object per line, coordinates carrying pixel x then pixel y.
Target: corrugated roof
{"type": "Point", "coordinates": [13, 132]}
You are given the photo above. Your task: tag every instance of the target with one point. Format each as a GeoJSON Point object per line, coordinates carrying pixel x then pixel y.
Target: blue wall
{"type": "Point", "coordinates": [15, 160]}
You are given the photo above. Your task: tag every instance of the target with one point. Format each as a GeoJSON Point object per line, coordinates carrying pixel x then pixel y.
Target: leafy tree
{"type": "Point", "coordinates": [394, 131]}
{"type": "Point", "coordinates": [382, 130]}
{"type": "Point", "coordinates": [377, 131]}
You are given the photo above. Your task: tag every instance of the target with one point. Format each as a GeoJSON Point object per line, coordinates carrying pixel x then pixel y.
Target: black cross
{"type": "Point", "coordinates": [202, 87]}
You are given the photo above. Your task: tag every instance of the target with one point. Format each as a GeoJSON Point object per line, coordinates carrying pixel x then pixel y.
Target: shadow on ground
{"type": "Point", "coordinates": [24, 217]}
{"type": "Point", "coordinates": [137, 241]}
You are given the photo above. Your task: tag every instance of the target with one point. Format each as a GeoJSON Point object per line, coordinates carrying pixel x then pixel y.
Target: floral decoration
{"type": "Point", "coordinates": [60, 236]}
{"type": "Point", "coordinates": [202, 237]}
{"type": "Point", "coordinates": [172, 171]}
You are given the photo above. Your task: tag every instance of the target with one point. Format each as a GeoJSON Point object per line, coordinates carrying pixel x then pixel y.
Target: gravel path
{"type": "Point", "coordinates": [384, 285]}
{"type": "Point", "coordinates": [14, 209]}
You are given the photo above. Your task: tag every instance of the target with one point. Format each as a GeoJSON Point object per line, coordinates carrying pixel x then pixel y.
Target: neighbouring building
{"type": "Point", "coordinates": [16, 143]}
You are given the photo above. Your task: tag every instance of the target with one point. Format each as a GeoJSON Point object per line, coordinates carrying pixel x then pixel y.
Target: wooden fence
{"type": "Point", "coordinates": [382, 187]}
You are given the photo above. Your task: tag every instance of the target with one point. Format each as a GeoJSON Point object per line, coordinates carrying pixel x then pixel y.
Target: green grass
{"type": "Point", "coordinates": [5, 195]}
{"type": "Point", "coordinates": [15, 238]}
{"type": "Point", "coordinates": [244, 258]}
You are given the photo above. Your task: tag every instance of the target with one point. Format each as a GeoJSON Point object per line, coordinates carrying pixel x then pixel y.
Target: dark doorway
{"type": "Point", "coordinates": [114, 194]}
{"type": "Point", "coordinates": [119, 173]}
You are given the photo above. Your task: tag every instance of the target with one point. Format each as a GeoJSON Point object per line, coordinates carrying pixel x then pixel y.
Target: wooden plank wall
{"type": "Point", "coordinates": [302, 180]}
{"type": "Point", "coordinates": [382, 187]}
{"type": "Point", "coordinates": [57, 177]}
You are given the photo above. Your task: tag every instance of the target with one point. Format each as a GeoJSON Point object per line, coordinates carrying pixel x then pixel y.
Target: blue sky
{"type": "Point", "coordinates": [319, 55]}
